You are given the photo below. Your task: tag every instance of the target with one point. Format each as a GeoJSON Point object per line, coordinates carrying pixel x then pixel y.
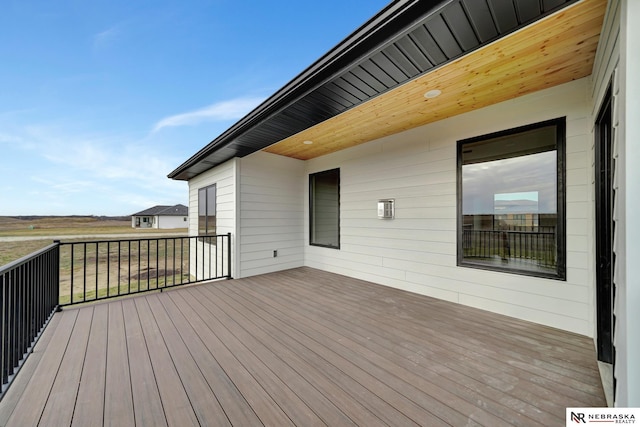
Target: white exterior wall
{"type": "Point", "coordinates": [224, 176]}
{"type": "Point", "coordinates": [166, 222]}
{"type": "Point", "coordinates": [627, 180]}
{"type": "Point", "coordinates": [416, 251]}
{"type": "Point", "coordinates": [260, 201]}
{"type": "Point", "coordinates": [271, 198]}
{"type": "Point", "coordinates": [617, 62]}
{"type": "Point", "coordinates": [605, 72]}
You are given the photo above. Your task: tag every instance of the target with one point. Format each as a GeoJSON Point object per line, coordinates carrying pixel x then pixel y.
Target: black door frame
{"type": "Point", "coordinates": [605, 257]}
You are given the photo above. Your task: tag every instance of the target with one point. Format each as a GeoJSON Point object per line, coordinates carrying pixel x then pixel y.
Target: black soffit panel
{"type": "Point", "coordinates": [405, 40]}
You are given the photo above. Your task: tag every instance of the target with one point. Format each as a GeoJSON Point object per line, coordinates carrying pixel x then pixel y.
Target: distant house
{"type": "Point", "coordinates": [161, 216]}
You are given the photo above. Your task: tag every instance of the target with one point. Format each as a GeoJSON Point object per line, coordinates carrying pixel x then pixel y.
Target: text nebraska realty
{"type": "Point", "coordinates": [621, 418]}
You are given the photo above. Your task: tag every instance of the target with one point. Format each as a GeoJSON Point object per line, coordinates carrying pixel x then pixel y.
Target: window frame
{"type": "Point", "coordinates": [311, 209]}
{"type": "Point", "coordinates": [561, 269]}
{"type": "Point", "coordinates": [206, 213]}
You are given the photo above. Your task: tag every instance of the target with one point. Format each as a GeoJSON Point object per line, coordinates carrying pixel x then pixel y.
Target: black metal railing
{"type": "Point", "coordinates": [97, 270]}
{"type": "Point", "coordinates": [539, 247]}
{"type": "Point", "coordinates": [28, 299]}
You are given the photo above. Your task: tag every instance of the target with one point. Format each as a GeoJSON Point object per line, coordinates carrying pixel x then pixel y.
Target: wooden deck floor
{"type": "Point", "coordinates": [300, 347]}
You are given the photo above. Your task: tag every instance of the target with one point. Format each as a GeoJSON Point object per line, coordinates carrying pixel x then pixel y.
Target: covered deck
{"type": "Point", "coordinates": [298, 347]}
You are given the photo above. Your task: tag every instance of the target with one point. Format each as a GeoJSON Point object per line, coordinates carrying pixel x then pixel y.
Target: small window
{"type": "Point", "coordinates": [324, 201]}
{"type": "Point", "coordinates": [512, 201]}
{"type": "Point", "coordinates": [207, 211]}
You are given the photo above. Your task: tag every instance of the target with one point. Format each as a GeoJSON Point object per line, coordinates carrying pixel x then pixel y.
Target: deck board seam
{"type": "Point", "coordinates": [291, 355]}
{"type": "Point", "coordinates": [495, 355]}
{"type": "Point", "coordinates": [204, 312]}
{"type": "Point", "coordinates": [343, 349]}
{"type": "Point", "coordinates": [211, 360]}
{"type": "Point", "coordinates": [301, 344]}
{"type": "Point", "coordinates": [275, 374]}
{"type": "Point", "coordinates": [443, 377]}
{"type": "Point", "coordinates": [183, 344]}
{"type": "Point", "coordinates": [400, 378]}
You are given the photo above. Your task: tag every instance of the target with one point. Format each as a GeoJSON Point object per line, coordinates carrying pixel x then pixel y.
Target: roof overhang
{"type": "Point", "coordinates": [373, 84]}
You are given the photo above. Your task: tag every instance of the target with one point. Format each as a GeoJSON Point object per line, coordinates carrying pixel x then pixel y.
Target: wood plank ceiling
{"type": "Point", "coordinates": [553, 51]}
{"type": "Point", "coordinates": [476, 52]}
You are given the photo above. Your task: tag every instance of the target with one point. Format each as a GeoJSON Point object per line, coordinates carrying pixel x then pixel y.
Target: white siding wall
{"type": "Point", "coordinates": [617, 62]}
{"type": "Point", "coordinates": [605, 72]}
{"type": "Point", "coordinates": [224, 178]}
{"type": "Point", "coordinates": [272, 201]}
{"type": "Point", "coordinates": [621, 54]}
{"type": "Point", "coordinates": [166, 222]}
{"type": "Point", "coordinates": [416, 251]}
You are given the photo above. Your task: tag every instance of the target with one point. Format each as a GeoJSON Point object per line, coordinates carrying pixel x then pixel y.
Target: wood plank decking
{"type": "Point", "coordinates": [300, 347]}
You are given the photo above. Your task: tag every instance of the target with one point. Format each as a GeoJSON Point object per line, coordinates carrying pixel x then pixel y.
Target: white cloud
{"type": "Point", "coordinates": [72, 172]}
{"type": "Point", "coordinates": [107, 37]}
{"type": "Point", "coordinates": [143, 165]}
{"type": "Point", "coordinates": [232, 109]}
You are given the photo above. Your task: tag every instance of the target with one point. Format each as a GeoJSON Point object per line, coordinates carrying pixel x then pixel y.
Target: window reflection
{"type": "Point", "coordinates": [207, 211]}
{"type": "Point", "coordinates": [509, 186]}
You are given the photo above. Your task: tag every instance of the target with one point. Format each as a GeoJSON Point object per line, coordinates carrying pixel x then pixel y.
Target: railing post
{"type": "Point", "coordinates": [56, 275]}
{"type": "Point", "coordinates": [229, 256]}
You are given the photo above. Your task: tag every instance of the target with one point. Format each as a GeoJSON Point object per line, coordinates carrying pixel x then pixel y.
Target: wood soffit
{"type": "Point", "coordinates": [555, 50]}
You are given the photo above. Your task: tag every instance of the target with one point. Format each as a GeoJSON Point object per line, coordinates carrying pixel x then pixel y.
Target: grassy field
{"type": "Point", "coordinates": [67, 225]}
{"type": "Point", "coordinates": [60, 226]}
{"type": "Point", "coordinates": [94, 270]}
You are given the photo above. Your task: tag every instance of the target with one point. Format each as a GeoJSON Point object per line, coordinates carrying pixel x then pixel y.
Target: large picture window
{"type": "Point", "coordinates": [324, 201]}
{"type": "Point", "coordinates": [207, 211]}
{"type": "Point", "coordinates": [512, 200]}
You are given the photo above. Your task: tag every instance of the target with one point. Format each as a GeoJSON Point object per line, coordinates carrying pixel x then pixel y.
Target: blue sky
{"type": "Point", "coordinates": [101, 99]}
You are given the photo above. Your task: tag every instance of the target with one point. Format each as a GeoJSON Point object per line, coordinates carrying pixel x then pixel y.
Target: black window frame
{"type": "Point", "coordinates": [208, 218]}
{"type": "Point", "coordinates": [312, 177]}
{"type": "Point", "coordinates": [561, 268]}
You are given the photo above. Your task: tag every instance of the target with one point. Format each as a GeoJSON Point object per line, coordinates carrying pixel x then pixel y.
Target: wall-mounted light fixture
{"type": "Point", "coordinates": [386, 208]}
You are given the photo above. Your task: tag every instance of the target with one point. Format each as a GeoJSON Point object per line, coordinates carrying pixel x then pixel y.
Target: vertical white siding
{"type": "Point", "coordinates": [271, 198]}
{"type": "Point", "coordinates": [627, 206]}
{"type": "Point", "coordinates": [617, 62]}
{"type": "Point", "coordinates": [605, 73]}
{"type": "Point", "coordinates": [416, 251]}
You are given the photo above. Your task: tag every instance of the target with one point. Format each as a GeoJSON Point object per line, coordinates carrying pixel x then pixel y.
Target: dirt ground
{"type": "Point", "coordinates": [94, 270]}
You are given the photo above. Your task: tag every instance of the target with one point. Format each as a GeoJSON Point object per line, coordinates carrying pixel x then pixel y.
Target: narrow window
{"type": "Point", "coordinates": [324, 201]}
{"type": "Point", "coordinates": [512, 200]}
{"type": "Point", "coordinates": [207, 211]}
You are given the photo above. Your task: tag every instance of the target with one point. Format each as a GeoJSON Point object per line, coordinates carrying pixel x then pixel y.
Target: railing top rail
{"type": "Point", "coordinates": [509, 231]}
{"type": "Point", "coordinates": [27, 258]}
{"type": "Point", "coordinates": [141, 239]}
